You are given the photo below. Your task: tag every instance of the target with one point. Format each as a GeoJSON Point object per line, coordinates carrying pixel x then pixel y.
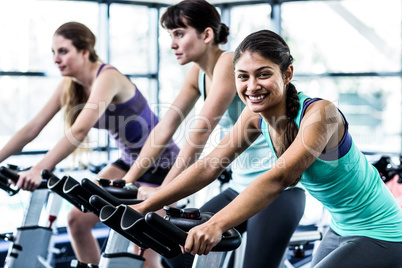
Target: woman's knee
{"type": "Point", "coordinates": [80, 223]}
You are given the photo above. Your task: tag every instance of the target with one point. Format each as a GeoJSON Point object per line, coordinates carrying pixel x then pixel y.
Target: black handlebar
{"type": "Point", "coordinates": [11, 173]}
{"type": "Point", "coordinates": [7, 186]}
{"type": "Point", "coordinates": [110, 193]}
{"type": "Point", "coordinates": [387, 168]}
{"type": "Point", "coordinates": [56, 185]}
{"type": "Point", "coordinates": [8, 173]}
{"type": "Point", "coordinates": [152, 231]}
{"type": "Point", "coordinates": [79, 194]}
{"type": "Point", "coordinates": [134, 224]}
{"type": "Point", "coordinates": [111, 216]}
{"type": "Point", "coordinates": [231, 239]}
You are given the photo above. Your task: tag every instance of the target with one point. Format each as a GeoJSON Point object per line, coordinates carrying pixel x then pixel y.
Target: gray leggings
{"type": "Point", "coordinates": [336, 251]}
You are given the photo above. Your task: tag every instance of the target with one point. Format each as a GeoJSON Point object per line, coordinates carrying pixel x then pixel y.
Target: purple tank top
{"type": "Point", "coordinates": [129, 124]}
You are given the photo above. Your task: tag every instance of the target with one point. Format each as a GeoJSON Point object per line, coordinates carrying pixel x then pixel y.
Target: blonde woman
{"type": "Point", "coordinates": [96, 95]}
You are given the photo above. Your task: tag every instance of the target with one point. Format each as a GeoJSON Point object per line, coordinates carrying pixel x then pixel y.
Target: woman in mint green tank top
{"type": "Point", "coordinates": [313, 146]}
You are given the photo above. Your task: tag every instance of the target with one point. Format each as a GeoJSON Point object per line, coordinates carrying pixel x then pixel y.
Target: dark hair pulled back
{"type": "Point", "coordinates": [271, 46]}
{"type": "Point", "coordinates": [198, 14]}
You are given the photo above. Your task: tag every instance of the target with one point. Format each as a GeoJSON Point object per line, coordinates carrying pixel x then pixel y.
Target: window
{"type": "Point", "coordinates": [351, 55]}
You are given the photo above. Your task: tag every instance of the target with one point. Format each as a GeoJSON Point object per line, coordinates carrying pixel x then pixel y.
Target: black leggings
{"type": "Point", "coordinates": [268, 232]}
{"type": "Point", "coordinates": [154, 175]}
{"type": "Point", "coordinates": [356, 251]}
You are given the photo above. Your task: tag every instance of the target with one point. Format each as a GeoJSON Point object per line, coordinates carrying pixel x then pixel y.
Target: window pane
{"type": "Point", "coordinates": [129, 40]}
{"type": "Point", "coordinates": [372, 106]}
{"type": "Point", "coordinates": [21, 99]}
{"type": "Point", "coordinates": [344, 36]}
{"type": "Point", "coordinates": [248, 19]}
{"type": "Point", "coordinates": [29, 27]}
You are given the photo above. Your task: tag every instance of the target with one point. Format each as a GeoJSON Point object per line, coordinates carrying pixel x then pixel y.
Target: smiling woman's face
{"type": "Point", "coordinates": [259, 82]}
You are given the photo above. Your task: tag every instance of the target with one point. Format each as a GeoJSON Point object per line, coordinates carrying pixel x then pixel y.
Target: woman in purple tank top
{"type": "Point", "coordinates": [93, 95]}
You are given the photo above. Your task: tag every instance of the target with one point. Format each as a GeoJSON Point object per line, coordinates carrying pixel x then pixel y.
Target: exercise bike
{"type": "Point", "coordinates": [128, 226]}
{"type": "Point", "coordinates": [32, 244]}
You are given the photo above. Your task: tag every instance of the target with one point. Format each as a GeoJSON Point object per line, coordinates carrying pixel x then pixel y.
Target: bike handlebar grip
{"type": "Point", "coordinates": [231, 239]}
{"type": "Point", "coordinates": [3, 179]}
{"type": "Point", "coordinates": [80, 194]}
{"type": "Point", "coordinates": [97, 190]}
{"type": "Point", "coordinates": [98, 202]}
{"type": "Point", "coordinates": [134, 223]}
{"type": "Point", "coordinates": [43, 185]}
{"type": "Point", "coordinates": [56, 185]}
{"type": "Point", "coordinates": [111, 216]}
{"type": "Point", "coordinates": [47, 174]}
{"type": "Point", "coordinates": [162, 225]}
{"type": "Point", "coordinates": [128, 192]}
{"type": "Point", "coordinates": [9, 174]}
{"type": "Point", "coordinates": [186, 223]}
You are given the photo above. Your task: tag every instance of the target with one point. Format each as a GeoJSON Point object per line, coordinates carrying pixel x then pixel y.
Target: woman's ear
{"type": "Point", "coordinates": [208, 35]}
{"type": "Point", "coordinates": [85, 53]}
{"type": "Point", "coordinates": [289, 74]}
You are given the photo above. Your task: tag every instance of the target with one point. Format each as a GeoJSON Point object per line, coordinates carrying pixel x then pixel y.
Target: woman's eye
{"type": "Point", "coordinates": [179, 34]}
{"type": "Point", "coordinates": [264, 75]}
{"type": "Point", "coordinates": [242, 76]}
{"type": "Point", "coordinates": [63, 51]}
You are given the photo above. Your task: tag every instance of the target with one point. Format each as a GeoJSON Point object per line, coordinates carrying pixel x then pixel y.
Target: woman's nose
{"type": "Point", "coordinates": [56, 58]}
{"type": "Point", "coordinates": [173, 45]}
{"type": "Point", "coordinates": [252, 84]}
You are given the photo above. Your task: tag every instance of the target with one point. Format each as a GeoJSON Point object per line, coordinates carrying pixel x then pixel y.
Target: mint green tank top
{"type": "Point", "coordinates": [352, 191]}
{"type": "Point", "coordinates": [256, 159]}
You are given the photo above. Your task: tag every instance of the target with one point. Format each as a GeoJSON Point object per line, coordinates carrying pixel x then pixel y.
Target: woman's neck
{"type": "Point", "coordinates": [208, 61]}
{"type": "Point", "coordinates": [87, 75]}
{"type": "Point", "coordinates": [276, 117]}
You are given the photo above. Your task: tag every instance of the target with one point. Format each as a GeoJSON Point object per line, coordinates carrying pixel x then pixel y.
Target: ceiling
{"type": "Point", "coordinates": [214, 2]}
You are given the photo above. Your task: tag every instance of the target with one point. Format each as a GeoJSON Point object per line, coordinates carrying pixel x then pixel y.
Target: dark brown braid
{"type": "Point", "coordinates": [292, 107]}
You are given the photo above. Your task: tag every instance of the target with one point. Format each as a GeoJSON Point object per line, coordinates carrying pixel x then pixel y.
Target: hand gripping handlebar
{"type": "Point", "coordinates": [7, 174]}
{"type": "Point", "coordinates": [231, 239]}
